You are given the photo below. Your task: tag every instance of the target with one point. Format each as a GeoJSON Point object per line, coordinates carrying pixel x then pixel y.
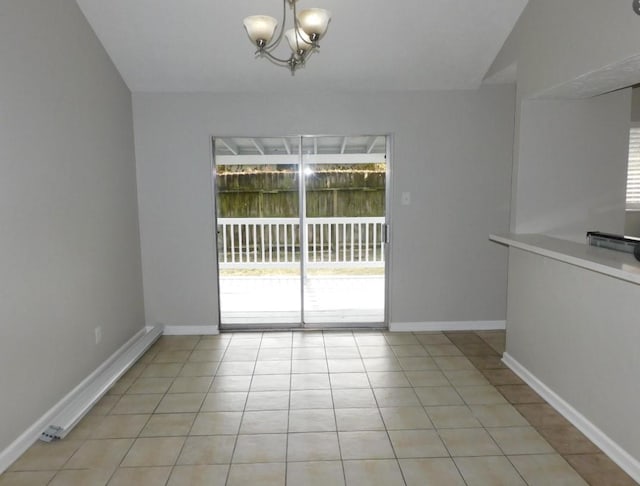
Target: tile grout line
{"type": "Point", "coordinates": [510, 403]}
{"type": "Point", "coordinates": [89, 437]}
{"type": "Point", "coordinates": [286, 442]}
{"type": "Point", "coordinates": [392, 348]}
{"type": "Point", "coordinates": [119, 466]}
{"type": "Point", "coordinates": [395, 455]}
{"type": "Point", "coordinates": [153, 412]}
{"type": "Point", "coordinates": [194, 419]}
{"type": "Point", "coordinates": [235, 442]}
{"type": "Point", "coordinates": [335, 417]}
{"type": "Point", "coordinates": [201, 405]}
{"type": "Point", "coordinates": [437, 430]}
{"type": "Point", "coordinates": [483, 426]}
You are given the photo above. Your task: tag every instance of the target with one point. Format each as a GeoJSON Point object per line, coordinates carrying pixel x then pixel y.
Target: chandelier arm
{"type": "Point", "coordinates": [278, 38]}
{"type": "Point", "coordinates": [271, 57]}
{"type": "Point", "coordinates": [292, 63]}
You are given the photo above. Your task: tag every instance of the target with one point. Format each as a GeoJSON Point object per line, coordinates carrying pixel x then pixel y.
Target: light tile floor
{"type": "Point", "coordinates": [320, 408]}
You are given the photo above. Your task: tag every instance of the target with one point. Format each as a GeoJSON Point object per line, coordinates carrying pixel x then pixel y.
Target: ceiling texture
{"type": "Point", "coordinates": [371, 45]}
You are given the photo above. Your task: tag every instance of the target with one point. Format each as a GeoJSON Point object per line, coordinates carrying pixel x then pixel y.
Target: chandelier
{"type": "Point", "coordinates": [309, 26]}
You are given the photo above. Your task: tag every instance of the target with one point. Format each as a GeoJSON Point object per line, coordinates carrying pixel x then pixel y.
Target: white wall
{"type": "Point", "coordinates": [572, 166]}
{"type": "Point", "coordinates": [452, 151]}
{"type": "Point", "coordinates": [69, 244]}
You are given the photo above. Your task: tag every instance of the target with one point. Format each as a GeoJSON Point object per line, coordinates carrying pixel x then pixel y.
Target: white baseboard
{"type": "Point", "coordinates": [191, 330]}
{"type": "Point", "coordinates": [617, 454]}
{"type": "Point", "coordinates": [447, 326]}
{"type": "Point", "coordinates": [29, 436]}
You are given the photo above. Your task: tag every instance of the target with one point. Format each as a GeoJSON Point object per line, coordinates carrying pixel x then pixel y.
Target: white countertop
{"type": "Point", "coordinates": [609, 262]}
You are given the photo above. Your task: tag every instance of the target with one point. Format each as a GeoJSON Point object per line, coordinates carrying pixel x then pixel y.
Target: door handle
{"type": "Point", "coordinates": [386, 233]}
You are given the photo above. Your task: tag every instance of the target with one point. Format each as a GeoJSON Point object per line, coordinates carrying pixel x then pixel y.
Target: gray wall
{"type": "Point", "coordinates": [560, 328]}
{"type": "Point", "coordinates": [632, 218]}
{"type": "Point", "coordinates": [572, 166]}
{"type": "Point", "coordinates": [635, 105]}
{"type": "Point", "coordinates": [452, 151]}
{"type": "Point", "coordinates": [557, 55]}
{"type": "Point", "coordinates": [632, 223]}
{"type": "Point", "coordinates": [570, 161]}
{"type": "Point", "coordinates": [559, 41]}
{"type": "Point", "coordinates": [70, 254]}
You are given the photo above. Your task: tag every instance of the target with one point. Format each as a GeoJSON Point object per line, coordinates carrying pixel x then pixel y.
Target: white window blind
{"type": "Point", "coordinates": [633, 171]}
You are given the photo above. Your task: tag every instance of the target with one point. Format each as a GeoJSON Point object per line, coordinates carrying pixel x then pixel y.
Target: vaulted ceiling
{"type": "Point", "coordinates": [371, 45]}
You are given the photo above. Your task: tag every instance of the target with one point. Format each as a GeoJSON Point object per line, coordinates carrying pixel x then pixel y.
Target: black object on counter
{"type": "Point", "coordinates": [627, 244]}
{"type": "Point", "coordinates": [636, 252]}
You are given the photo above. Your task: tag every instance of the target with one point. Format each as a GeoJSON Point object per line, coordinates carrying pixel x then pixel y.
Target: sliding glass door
{"type": "Point", "coordinates": [258, 226]}
{"type": "Point", "coordinates": [344, 207]}
{"type": "Point", "coordinates": [301, 231]}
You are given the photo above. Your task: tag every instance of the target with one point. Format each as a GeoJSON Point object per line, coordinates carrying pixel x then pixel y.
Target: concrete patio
{"type": "Point", "coordinates": [329, 300]}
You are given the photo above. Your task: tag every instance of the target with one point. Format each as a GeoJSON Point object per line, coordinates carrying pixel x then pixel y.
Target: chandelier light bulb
{"type": "Point", "coordinates": [260, 28]}
{"type": "Point", "coordinates": [309, 25]}
{"type": "Point", "coordinates": [314, 21]}
{"type": "Point", "coordinates": [303, 42]}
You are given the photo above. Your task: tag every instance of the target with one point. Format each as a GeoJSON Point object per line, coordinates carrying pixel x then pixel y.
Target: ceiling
{"type": "Point", "coordinates": [286, 150]}
{"type": "Point", "coordinates": [291, 145]}
{"type": "Point", "coordinates": [371, 45]}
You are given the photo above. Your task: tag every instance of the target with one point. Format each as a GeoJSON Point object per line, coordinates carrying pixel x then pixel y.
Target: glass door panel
{"type": "Point", "coordinates": [258, 231]}
{"type": "Point", "coordinates": [344, 227]}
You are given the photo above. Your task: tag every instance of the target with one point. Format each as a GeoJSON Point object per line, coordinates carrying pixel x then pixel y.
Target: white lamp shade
{"type": "Point", "coordinates": [314, 21]}
{"type": "Point", "coordinates": [260, 28]}
{"type": "Point", "coordinates": [303, 43]}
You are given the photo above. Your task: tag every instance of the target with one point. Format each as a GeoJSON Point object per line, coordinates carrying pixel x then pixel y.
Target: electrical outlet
{"type": "Point", "coordinates": [406, 198]}
{"type": "Point", "coordinates": [98, 331]}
